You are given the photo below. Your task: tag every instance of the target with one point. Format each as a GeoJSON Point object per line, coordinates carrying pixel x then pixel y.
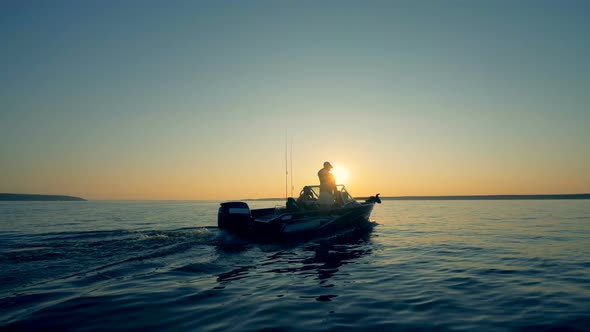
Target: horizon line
{"type": "Point", "coordinates": [397, 197]}
{"type": "Point", "coordinates": [403, 197]}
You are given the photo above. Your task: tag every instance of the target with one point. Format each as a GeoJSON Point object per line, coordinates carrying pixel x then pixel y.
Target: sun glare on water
{"type": "Point", "coordinates": [341, 174]}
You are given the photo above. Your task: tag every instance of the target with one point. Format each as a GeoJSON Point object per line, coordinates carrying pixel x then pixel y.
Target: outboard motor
{"type": "Point", "coordinates": [234, 217]}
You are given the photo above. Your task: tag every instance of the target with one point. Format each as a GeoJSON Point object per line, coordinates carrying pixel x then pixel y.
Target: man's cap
{"type": "Point", "coordinates": [327, 164]}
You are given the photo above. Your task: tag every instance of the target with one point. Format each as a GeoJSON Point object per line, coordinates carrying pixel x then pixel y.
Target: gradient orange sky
{"type": "Point", "coordinates": [191, 100]}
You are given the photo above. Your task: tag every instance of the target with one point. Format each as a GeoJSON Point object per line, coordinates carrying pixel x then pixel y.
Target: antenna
{"type": "Point", "coordinates": [286, 171]}
{"type": "Point", "coordinates": [291, 166]}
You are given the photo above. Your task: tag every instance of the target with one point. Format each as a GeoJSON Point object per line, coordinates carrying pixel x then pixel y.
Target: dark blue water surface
{"type": "Point", "coordinates": [424, 265]}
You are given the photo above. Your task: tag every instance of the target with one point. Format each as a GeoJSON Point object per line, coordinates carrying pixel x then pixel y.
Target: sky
{"type": "Point", "coordinates": [218, 100]}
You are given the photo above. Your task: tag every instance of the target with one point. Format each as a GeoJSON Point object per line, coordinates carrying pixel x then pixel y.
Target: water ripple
{"type": "Point", "coordinates": [453, 266]}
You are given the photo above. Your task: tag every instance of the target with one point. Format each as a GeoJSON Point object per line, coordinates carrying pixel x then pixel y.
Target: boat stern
{"type": "Point", "coordinates": [235, 217]}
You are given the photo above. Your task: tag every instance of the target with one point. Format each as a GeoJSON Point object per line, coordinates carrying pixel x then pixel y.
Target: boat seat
{"type": "Point", "coordinates": [292, 205]}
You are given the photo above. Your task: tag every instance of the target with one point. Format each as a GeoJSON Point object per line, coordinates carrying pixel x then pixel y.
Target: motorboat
{"type": "Point", "coordinates": [298, 217]}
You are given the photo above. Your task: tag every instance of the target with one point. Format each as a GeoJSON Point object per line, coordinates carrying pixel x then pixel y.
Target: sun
{"type": "Point", "coordinates": [340, 174]}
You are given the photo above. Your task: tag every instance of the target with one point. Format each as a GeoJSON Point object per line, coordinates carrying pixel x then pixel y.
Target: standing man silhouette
{"type": "Point", "coordinates": [327, 186]}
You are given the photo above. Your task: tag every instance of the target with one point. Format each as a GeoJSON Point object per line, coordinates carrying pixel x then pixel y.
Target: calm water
{"type": "Point", "coordinates": [425, 265]}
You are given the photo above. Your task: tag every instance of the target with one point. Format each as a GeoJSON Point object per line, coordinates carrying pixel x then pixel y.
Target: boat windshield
{"type": "Point", "coordinates": [346, 197]}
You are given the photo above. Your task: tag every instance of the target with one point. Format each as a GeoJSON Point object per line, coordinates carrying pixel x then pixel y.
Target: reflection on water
{"type": "Point", "coordinates": [322, 257]}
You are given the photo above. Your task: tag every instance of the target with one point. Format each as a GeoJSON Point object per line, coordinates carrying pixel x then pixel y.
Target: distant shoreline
{"type": "Point", "coordinates": [461, 197]}
{"type": "Point", "coordinates": [35, 197]}
{"type": "Point", "coordinates": [489, 197]}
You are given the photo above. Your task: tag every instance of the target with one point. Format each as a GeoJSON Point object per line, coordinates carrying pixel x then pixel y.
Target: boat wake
{"type": "Point", "coordinates": [75, 256]}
